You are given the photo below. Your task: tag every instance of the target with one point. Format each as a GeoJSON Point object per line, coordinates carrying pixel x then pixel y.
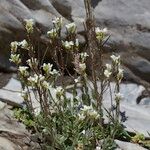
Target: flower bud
{"type": "Point", "coordinates": [29, 26]}
{"type": "Point", "coordinates": [71, 28]}
{"type": "Point", "coordinates": [15, 58]}
{"type": "Point", "coordinates": [52, 33]}
{"type": "Point", "coordinates": [14, 46]}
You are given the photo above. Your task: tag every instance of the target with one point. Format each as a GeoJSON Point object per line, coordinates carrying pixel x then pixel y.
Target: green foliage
{"type": "Point", "coordinates": [138, 138]}
{"type": "Point", "coordinates": [24, 116]}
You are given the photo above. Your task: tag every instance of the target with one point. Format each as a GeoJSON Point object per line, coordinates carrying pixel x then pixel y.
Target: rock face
{"type": "Point", "coordinates": [128, 146]}
{"type": "Point", "coordinates": [13, 134]}
{"type": "Point", "coordinates": [128, 22]}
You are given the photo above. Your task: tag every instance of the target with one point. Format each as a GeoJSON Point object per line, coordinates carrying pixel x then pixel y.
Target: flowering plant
{"type": "Point", "coordinates": [70, 116]}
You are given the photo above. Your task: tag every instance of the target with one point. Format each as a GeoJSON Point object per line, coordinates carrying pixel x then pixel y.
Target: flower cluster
{"type": "Point", "coordinates": [52, 33]}
{"type": "Point", "coordinates": [114, 68]}
{"type": "Point", "coordinates": [108, 71]}
{"type": "Point", "coordinates": [120, 74]}
{"type": "Point", "coordinates": [59, 91]}
{"type": "Point", "coordinates": [101, 33]}
{"type": "Point", "coordinates": [24, 44]}
{"type": "Point", "coordinates": [23, 71]}
{"type": "Point", "coordinates": [57, 23]}
{"type": "Point", "coordinates": [71, 28]}
{"type": "Point", "coordinates": [47, 68]}
{"type": "Point", "coordinates": [115, 59]}
{"type": "Point", "coordinates": [68, 45]}
{"type": "Point", "coordinates": [89, 112]}
{"type": "Point", "coordinates": [83, 56]}
{"type": "Point", "coordinates": [29, 26]}
{"type": "Point", "coordinates": [36, 80]}
{"type": "Point", "coordinates": [32, 62]}
{"type": "Point", "coordinates": [15, 58]}
{"type": "Point", "coordinates": [14, 46]}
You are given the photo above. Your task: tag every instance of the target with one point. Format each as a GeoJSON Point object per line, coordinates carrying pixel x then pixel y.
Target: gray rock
{"type": "Point", "coordinates": [6, 144]}
{"type": "Point", "coordinates": [11, 93]}
{"type": "Point", "coordinates": [128, 22]}
{"type": "Point", "coordinates": [8, 123]}
{"type": "Point", "coordinates": [13, 134]}
{"type": "Point", "coordinates": [128, 146]}
{"type": "Point", "coordinates": [138, 65]}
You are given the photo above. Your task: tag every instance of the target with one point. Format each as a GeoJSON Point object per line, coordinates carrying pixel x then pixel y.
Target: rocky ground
{"type": "Point", "coordinates": [127, 21]}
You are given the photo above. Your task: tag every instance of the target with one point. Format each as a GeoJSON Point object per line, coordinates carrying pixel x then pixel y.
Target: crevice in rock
{"type": "Point", "coordinates": [94, 3]}
{"type": "Point", "coordinates": [64, 10]}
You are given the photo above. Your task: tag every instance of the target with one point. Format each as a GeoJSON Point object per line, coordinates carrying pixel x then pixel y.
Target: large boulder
{"type": "Point", "coordinates": [128, 22]}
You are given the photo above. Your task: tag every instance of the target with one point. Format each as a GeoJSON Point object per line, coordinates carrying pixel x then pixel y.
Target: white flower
{"type": "Point", "coordinates": [83, 56]}
{"type": "Point", "coordinates": [71, 28]}
{"type": "Point", "coordinates": [23, 70]}
{"type": "Point", "coordinates": [86, 108]}
{"type": "Point", "coordinates": [15, 58]}
{"type": "Point", "coordinates": [14, 46]}
{"type": "Point", "coordinates": [120, 74]}
{"type": "Point", "coordinates": [108, 67]}
{"type": "Point", "coordinates": [115, 59]}
{"type": "Point", "coordinates": [101, 33]}
{"type": "Point", "coordinates": [36, 79]}
{"type": "Point", "coordinates": [59, 91]}
{"type": "Point", "coordinates": [33, 80]}
{"type": "Point", "coordinates": [83, 132]}
{"type": "Point", "coordinates": [82, 67]}
{"type": "Point", "coordinates": [81, 117]}
{"type": "Point", "coordinates": [29, 25]}
{"type": "Point", "coordinates": [52, 33]}
{"type": "Point", "coordinates": [24, 44]}
{"type": "Point", "coordinates": [107, 73]}
{"type": "Point", "coordinates": [47, 67]}
{"type": "Point", "coordinates": [77, 43]}
{"type": "Point", "coordinates": [41, 78]}
{"type": "Point", "coordinates": [32, 62]}
{"type": "Point", "coordinates": [90, 112]}
{"type": "Point", "coordinates": [94, 114]}
{"type": "Point", "coordinates": [57, 22]}
{"type": "Point", "coordinates": [68, 45]}
{"type": "Point", "coordinates": [98, 148]}
{"type": "Point", "coordinates": [77, 80]}
{"type": "Point", "coordinates": [46, 85]}
{"type": "Point", "coordinates": [118, 96]}
{"type": "Point", "coordinates": [54, 72]}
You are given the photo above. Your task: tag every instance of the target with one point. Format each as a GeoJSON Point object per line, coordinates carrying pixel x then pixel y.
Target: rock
{"type": "Point", "coordinates": [5, 144]}
{"type": "Point", "coordinates": [8, 123]}
{"type": "Point", "coordinates": [138, 65]}
{"type": "Point", "coordinates": [128, 22]}
{"type": "Point", "coordinates": [128, 146]}
{"type": "Point", "coordinates": [11, 93]}
{"type": "Point", "coordinates": [13, 134]}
